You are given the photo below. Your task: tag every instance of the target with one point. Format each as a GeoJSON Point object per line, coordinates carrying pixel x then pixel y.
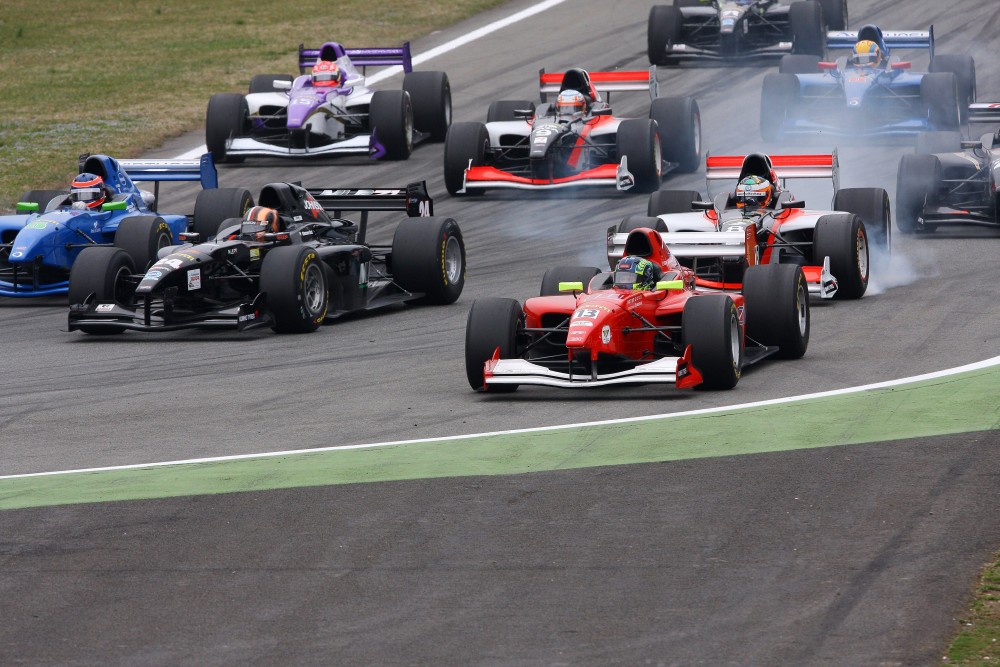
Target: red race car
{"type": "Point", "coordinates": [833, 247]}
{"type": "Point", "coordinates": [575, 141]}
{"type": "Point", "coordinates": [645, 322]}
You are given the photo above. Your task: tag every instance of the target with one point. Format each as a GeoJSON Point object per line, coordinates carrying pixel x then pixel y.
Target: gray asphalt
{"type": "Point", "coordinates": [711, 562]}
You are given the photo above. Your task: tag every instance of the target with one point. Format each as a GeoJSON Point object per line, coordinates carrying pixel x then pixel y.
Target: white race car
{"type": "Point", "coordinates": [328, 110]}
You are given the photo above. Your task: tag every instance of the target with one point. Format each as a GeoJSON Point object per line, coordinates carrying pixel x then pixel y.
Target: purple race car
{"type": "Point", "coordinates": [328, 110]}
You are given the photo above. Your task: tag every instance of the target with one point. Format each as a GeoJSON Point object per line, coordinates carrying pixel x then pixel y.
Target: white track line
{"type": "Point", "coordinates": [435, 52]}
{"type": "Point", "coordinates": [995, 361]}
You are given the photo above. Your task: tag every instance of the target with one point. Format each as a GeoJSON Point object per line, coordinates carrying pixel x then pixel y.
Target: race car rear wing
{"type": "Point", "coordinates": [987, 112]}
{"type": "Point", "coordinates": [818, 165]}
{"type": "Point", "coordinates": [605, 82]}
{"type": "Point", "coordinates": [894, 39]}
{"type": "Point", "coordinates": [413, 199]}
{"type": "Point", "coordinates": [202, 169]}
{"type": "Point", "coordinates": [360, 57]}
{"type": "Point", "coordinates": [693, 244]}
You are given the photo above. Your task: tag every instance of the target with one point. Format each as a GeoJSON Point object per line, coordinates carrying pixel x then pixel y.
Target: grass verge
{"type": "Point", "coordinates": [124, 80]}
{"type": "Point", "coordinates": [976, 643]}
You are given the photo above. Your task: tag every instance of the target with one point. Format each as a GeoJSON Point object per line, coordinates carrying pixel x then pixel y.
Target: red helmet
{"type": "Point", "coordinates": [88, 189]}
{"type": "Point", "coordinates": [327, 73]}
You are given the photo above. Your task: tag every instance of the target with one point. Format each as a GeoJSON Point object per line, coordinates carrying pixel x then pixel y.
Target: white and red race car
{"type": "Point", "coordinates": [575, 141]}
{"type": "Point", "coordinates": [720, 240]}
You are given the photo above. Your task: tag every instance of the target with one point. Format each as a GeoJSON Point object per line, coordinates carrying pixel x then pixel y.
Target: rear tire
{"type": "Point", "coordinates": [566, 274]}
{"type": "Point", "coordinates": [916, 182]}
{"type": "Point", "coordinates": [633, 222]}
{"type": "Point", "coordinates": [872, 206]}
{"type": "Point", "coordinates": [777, 308]}
{"type": "Point", "coordinates": [428, 255]}
{"type": "Point", "coordinates": [294, 282]}
{"type": "Point", "coordinates": [939, 93]}
{"type": "Point", "coordinates": [465, 142]}
{"type": "Point", "coordinates": [662, 30]}
{"type": "Point", "coordinates": [492, 323]}
{"type": "Point", "coordinates": [102, 271]}
{"type": "Point", "coordinates": [665, 202]}
{"type": "Point", "coordinates": [778, 96]}
{"type": "Point", "coordinates": [503, 110]}
{"type": "Point", "coordinates": [390, 116]}
{"type": "Point", "coordinates": [806, 21]}
{"type": "Point", "coordinates": [264, 83]}
{"type": "Point", "coordinates": [793, 64]}
{"type": "Point", "coordinates": [639, 140]}
{"type": "Point", "coordinates": [679, 124]}
{"type": "Point", "coordinates": [834, 14]}
{"type": "Point", "coordinates": [42, 197]}
{"type": "Point", "coordinates": [430, 95]}
{"type": "Point", "coordinates": [217, 204]}
{"type": "Point", "coordinates": [964, 69]}
{"type": "Point", "coordinates": [141, 237]}
{"type": "Point", "coordinates": [711, 326]}
{"type": "Point", "coordinates": [227, 117]}
{"type": "Point", "coordinates": [842, 238]}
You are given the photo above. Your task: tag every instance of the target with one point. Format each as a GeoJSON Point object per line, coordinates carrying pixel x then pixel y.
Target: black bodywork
{"type": "Point", "coordinates": [216, 283]}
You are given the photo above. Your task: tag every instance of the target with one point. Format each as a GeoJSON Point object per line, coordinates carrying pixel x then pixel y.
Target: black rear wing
{"type": "Point", "coordinates": [413, 199]}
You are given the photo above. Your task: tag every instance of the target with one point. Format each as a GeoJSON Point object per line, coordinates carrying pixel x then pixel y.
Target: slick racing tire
{"type": "Point", "coordinates": [806, 21]}
{"type": "Point", "coordinates": [503, 110]}
{"type": "Point", "coordinates": [662, 30]}
{"type": "Point", "coordinates": [428, 255]}
{"type": "Point", "coordinates": [493, 323]}
{"type": "Point", "coordinates": [793, 64]}
{"type": "Point", "coordinates": [228, 116]}
{"type": "Point", "coordinates": [938, 142]}
{"type": "Point", "coordinates": [665, 202]}
{"type": "Point", "coordinates": [688, 3]}
{"type": "Point", "coordinates": [842, 238]}
{"type": "Point", "coordinates": [637, 221]}
{"type": "Point", "coordinates": [430, 95]}
{"type": "Point", "coordinates": [916, 181]}
{"type": "Point", "coordinates": [777, 308]}
{"type": "Point", "coordinates": [778, 96]}
{"type": "Point", "coordinates": [142, 237]}
{"type": "Point", "coordinates": [391, 118]}
{"type": "Point", "coordinates": [639, 140]}
{"type": "Point", "coordinates": [964, 69]}
{"type": "Point", "coordinates": [566, 274]}
{"type": "Point", "coordinates": [939, 94]}
{"type": "Point", "coordinates": [43, 198]}
{"type": "Point", "coordinates": [834, 14]}
{"type": "Point", "coordinates": [264, 83]}
{"type": "Point", "coordinates": [217, 204]}
{"type": "Point", "coordinates": [872, 206]}
{"type": "Point", "coordinates": [294, 282]}
{"type": "Point", "coordinates": [102, 271]}
{"type": "Point", "coordinates": [710, 324]}
{"type": "Point", "coordinates": [679, 124]}
{"type": "Point", "coordinates": [465, 142]}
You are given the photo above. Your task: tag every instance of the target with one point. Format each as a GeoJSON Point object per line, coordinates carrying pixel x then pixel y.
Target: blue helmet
{"type": "Point", "coordinates": [633, 272]}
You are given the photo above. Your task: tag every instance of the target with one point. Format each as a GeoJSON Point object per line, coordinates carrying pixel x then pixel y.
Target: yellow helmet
{"type": "Point", "coordinates": [866, 54]}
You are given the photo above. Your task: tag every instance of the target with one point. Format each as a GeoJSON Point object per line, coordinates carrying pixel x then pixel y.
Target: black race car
{"type": "Point", "coordinates": [290, 263]}
{"type": "Point", "coordinates": [949, 181]}
{"type": "Point", "coordinates": [720, 30]}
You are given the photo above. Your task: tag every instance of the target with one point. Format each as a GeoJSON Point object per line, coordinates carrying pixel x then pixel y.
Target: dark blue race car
{"type": "Point", "coordinates": [870, 93]}
{"type": "Point", "coordinates": [40, 242]}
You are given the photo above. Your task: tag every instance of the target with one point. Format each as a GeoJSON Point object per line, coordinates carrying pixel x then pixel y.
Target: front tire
{"type": "Point", "coordinates": [777, 308]}
{"type": "Point", "coordinates": [916, 181]}
{"type": "Point", "coordinates": [294, 282]}
{"type": "Point", "coordinates": [428, 255]}
{"type": "Point", "coordinates": [834, 14]}
{"type": "Point", "coordinates": [663, 29]}
{"type": "Point", "coordinates": [844, 240]}
{"type": "Point", "coordinates": [430, 95]}
{"type": "Point", "coordinates": [227, 117]}
{"type": "Point", "coordinates": [711, 326]}
{"type": "Point", "coordinates": [102, 271]}
{"type": "Point", "coordinates": [465, 142]}
{"type": "Point", "coordinates": [391, 118]}
{"type": "Point", "coordinates": [492, 323]}
{"type": "Point", "coordinates": [939, 93]}
{"type": "Point", "coordinates": [678, 120]}
{"type": "Point", "coordinates": [639, 140]}
{"type": "Point", "coordinates": [806, 21]}
{"type": "Point", "coordinates": [964, 69]}
{"type": "Point", "coordinates": [793, 64]}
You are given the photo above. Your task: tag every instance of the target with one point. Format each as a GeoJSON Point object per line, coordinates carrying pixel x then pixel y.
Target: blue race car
{"type": "Point", "coordinates": [104, 207]}
{"type": "Point", "coordinates": [871, 93]}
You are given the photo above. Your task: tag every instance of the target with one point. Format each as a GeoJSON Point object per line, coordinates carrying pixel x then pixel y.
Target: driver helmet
{"type": "Point", "coordinates": [260, 220]}
{"type": "Point", "coordinates": [867, 54]}
{"type": "Point", "coordinates": [634, 272]}
{"type": "Point", "coordinates": [754, 192]}
{"type": "Point", "coordinates": [570, 102]}
{"type": "Point", "coordinates": [87, 190]}
{"type": "Point", "coordinates": [327, 74]}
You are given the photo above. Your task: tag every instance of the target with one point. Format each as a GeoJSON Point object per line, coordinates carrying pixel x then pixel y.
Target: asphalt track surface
{"type": "Point", "coordinates": [841, 556]}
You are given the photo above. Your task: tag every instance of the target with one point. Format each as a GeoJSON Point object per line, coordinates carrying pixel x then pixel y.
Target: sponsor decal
{"type": "Point", "coordinates": [190, 258]}
{"type": "Point", "coordinates": [105, 307]}
{"type": "Point", "coordinates": [582, 323]}
{"type": "Point", "coordinates": [633, 301]}
{"type": "Point", "coordinates": [248, 317]}
{"type": "Point", "coordinates": [739, 313]}
{"type": "Point", "coordinates": [312, 206]}
{"type": "Point", "coordinates": [233, 250]}
{"type": "Point", "coordinates": [539, 140]}
{"type": "Point", "coordinates": [152, 275]}
{"type": "Point", "coordinates": [17, 254]}
{"type": "Point", "coordinates": [587, 313]}
{"type": "Point", "coordinates": [194, 279]}
{"type": "Point", "coordinates": [37, 224]}
{"type": "Point", "coordinates": [606, 334]}
{"type": "Point", "coordinates": [254, 253]}
{"type": "Point", "coordinates": [168, 264]}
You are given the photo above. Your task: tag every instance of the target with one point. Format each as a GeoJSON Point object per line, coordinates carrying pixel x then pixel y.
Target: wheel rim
{"type": "Point", "coordinates": [734, 340]}
{"type": "Point", "coordinates": [657, 155]}
{"type": "Point", "coordinates": [408, 131]}
{"type": "Point", "coordinates": [801, 299]}
{"type": "Point", "coordinates": [313, 290]}
{"type": "Point", "coordinates": [452, 260]}
{"type": "Point", "coordinates": [120, 287]}
{"type": "Point", "coordinates": [697, 134]}
{"type": "Point", "coordinates": [862, 244]}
